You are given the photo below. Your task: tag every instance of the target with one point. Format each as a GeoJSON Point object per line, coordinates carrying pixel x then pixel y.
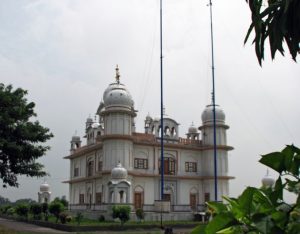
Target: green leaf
{"type": "Point", "coordinates": [288, 157]}
{"type": "Point", "coordinates": [217, 207]}
{"type": "Point", "coordinates": [219, 222]}
{"type": "Point", "coordinates": [246, 200]}
{"type": "Point", "coordinates": [235, 229]}
{"type": "Point", "coordinates": [274, 160]}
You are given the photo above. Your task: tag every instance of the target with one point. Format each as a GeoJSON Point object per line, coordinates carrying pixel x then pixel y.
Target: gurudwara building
{"type": "Point", "coordinates": [118, 165]}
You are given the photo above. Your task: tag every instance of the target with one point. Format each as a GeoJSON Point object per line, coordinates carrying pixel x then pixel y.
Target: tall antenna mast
{"type": "Point", "coordinates": [213, 102]}
{"type": "Point", "coordinates": [161, 111]}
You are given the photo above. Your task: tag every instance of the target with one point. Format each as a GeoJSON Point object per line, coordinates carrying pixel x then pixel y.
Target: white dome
{"type": "Point", "coordinates": [75, 138]}
{"type": "Point", "coordinates": [44, 187]}
{"type": "Point", "coordinates": [117, 95]}
{"type": "Point", "coordinates": [95, 125]}
{"type": "Point", "coordinates": [119, 172]}
{"type": "Point", "coordinates": [267, 181]}
{"type": "Point", "coordinates": [207, 114]}
{"type": "Point", "coordinates": [193, 129]}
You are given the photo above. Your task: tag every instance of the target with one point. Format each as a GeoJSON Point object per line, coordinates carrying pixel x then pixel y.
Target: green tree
{"type": "Point", "coordinates": [263, 210]}
{"type": "Point", "coordinates": [22, 210]}
{"type": "Point", "coordinates": [4, 200]}
{"type": "Point", "coordinates": [56, 208]}
{"type": "Point", "coordinates": [122, 212]}
{"type": "Point", "coordinates": [278, 21]}
{"type": "Point", "coordinates": [20, 137]}
{"type": "Point", "coordinates": [36, 210]}
{"type": "Point", "coordinates": [45, 210]}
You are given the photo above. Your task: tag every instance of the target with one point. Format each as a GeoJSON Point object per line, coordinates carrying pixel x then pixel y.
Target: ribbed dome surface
{"type": "Point", "coordinates": [119, 172]}
{"type": "Point", "coordinates": [117, 95]}
{"type": "Point", "coordinates": [208, 116]}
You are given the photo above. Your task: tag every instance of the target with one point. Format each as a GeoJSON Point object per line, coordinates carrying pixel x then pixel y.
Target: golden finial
{"type": "Point", "coordinates": [117, 74]}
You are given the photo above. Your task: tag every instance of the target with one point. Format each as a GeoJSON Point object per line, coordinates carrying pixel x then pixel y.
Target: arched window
{"type": "Point", "coordinates": [167, 131]}
{"type": "Point", "coordinates": [90, 168]}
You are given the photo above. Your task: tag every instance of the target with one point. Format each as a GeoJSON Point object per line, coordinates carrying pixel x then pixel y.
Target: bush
{"type": "Point", "coordinates": [64, 217]}
{"type": "Point", "coordinates": [11, 211]}
{"type": "Point", "coordinates": [45, 210]}
{"type": "Point", "coordinates": [56, 208]}
{"type": "Point", "coordinates": [140, 214]}
{"type": "Point", "coordinates": [4, 209]}
{"type": "Point", "coordinates": [22, 210]}
{"type": "Point", "coordinates": [78, 217]}
{"type": "Point", "coordinates": [122, 212]}
{"type": "Point", "coordinates": [36, 210]}
{"type": "Point", "coordinates": [101, 218]}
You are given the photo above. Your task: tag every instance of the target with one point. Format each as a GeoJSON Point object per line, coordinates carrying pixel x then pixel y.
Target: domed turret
{"type": "Point", "coordinates": [267, 181]}
{"type": "Point", "coordinates": [119, 172]}
{"type": "Point", "coordinates": [208, 116]}
{"type": "Point", "coordinates": [44, 187]}
{"type": "Point", "coordinates": [192, 129]}
{"type": "Point", "coordinates": [116, 95]}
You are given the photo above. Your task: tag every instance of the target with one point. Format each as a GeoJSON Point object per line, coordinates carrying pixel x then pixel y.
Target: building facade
{"type": "Point", "coordinates": [118, 165]}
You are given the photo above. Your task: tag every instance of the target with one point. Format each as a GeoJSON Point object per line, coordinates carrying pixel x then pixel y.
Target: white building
{"type": "Point", "coordinates": [120, 165]}
{"type": "Point", "coordinates": [44, 195]}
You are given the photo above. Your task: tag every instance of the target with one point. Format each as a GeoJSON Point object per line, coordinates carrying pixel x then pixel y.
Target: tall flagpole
{"type": "Point", "coordinates": [213, 103]}
{"type": "Point", "coordinates": [161, 119]}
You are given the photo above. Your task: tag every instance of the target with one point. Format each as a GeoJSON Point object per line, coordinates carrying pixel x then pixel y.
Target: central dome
{"type": "Point", "coordinates": [116, 94]}
{"type": "Point", "coordinates": [208, 116]}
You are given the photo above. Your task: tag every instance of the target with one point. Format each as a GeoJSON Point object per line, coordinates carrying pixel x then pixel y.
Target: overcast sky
{"type": "Point", "coordinates": [65, 52]}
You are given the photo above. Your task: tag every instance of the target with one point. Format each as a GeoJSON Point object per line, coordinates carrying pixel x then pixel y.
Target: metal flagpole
{"type": "Point", "coordinates": [213, 102]}
{"type": "Point", "coordinates": [161, 118]}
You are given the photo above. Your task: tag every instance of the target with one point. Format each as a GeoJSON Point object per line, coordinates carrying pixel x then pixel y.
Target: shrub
{"type": "Point", "coordinates": [122, 212]}
{"type": "Point", "coordinates": [45, 210]}
{"type": "Point", "coordinates": [64, 217]}
{"type": "Point", "coordinates": [4, 209]}
{"type": "Point", "coordinates": [78, 217]}
{"type": "Point", "coordinates": [22, 210]}
{"type": "Point", "coordinates": [101, 218]}
{"type": "Point", "coordinates": [56, 208]}
{"type": "Point", "coordinates": [140, 214]}
{"type": "Point", "coordinates": [36, 210]}
{"type": "Point", "coordinates": [11, 211]}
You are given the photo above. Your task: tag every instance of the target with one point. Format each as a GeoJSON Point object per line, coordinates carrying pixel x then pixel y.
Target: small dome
{"type": "Point", "coordinates": [267, 181]}
{"type": "Point", "coordinates": [89, 120]}
{"type": "Point", "coordinates": [119, 172]}
{"type": "Point", "coordinates": [44, 187]}
{"type": "Point", "coordinates": [193, 129]}
{"type": "Point", "coordinates": [208, 116]}
{"type": "Point", "coordinates": [75, 138]}
{"type": "Point", "coordinates": [95, 125]}
{"type": "Point", "coordinates": [148, 117]}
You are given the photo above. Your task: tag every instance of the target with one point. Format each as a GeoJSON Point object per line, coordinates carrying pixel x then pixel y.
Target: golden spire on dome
{"type": "Point", "coordinates": [117, 74]}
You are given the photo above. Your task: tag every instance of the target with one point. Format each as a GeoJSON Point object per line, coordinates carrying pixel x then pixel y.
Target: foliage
{"type": "Point", "coordinates": [56, 208]}
{"type": "Point", "coordinates": [101, 218]}
{"type": "Point", "coordinates": [122, 212]}
{"type": "Point", "coordinates": [62, 200]}
{"type": "Point", "coordinates": [278, 21]}
{"type": "Point", "coordinates": [4, 200]}
{"type": "Point", "coordinates": [78, 217]}
{"type": "Point", "coordinates": [22, 210]}
{"type": "Point", "coordinates": [24, 201]}
{"type": "Point", "coordinates": [140, 213]}
{"type": "Point", "coordinates": [263, 210]}
{"type": "Point", "coordinates": [45, 210]}
{"type": "Point", "coordinates": [64, 217]}
{"type": "Point", "coordinates": [19, 137]}
{"type": "Point", "coordinates": [4, 208]}
{"type": "Point", "coordinates": [36, 210]}
{"type": "Point", "coordinates": [11, 211]}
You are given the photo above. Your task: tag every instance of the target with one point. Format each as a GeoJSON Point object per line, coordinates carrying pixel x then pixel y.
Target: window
{"type": "Point", "coordinates": [190, 167]}
{"type": "Point", "coordinates": [140, 163]}
{"type": "Point", "coordinates": [76, 172]}
{"type": "Point", "coordinates": [90, 168]}
{"type": "Point", "coordinates": [206, 197]}
{"type": "Point", "coordinates": [169, 166]}
{"type": "Point", "coordinates": [81, 198]}
{"type": "Point", "coordinates": [98, 198]}
{"type": "Point", "coordinates": [100, 166]}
